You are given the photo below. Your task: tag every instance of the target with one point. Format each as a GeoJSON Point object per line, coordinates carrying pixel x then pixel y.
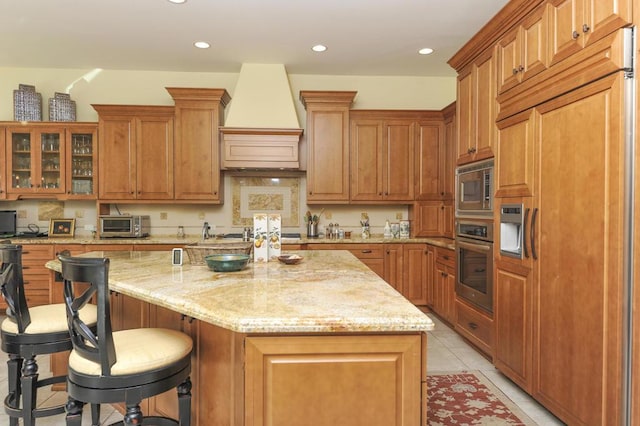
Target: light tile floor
{"type": "Point", "coordinates": [447, 351]}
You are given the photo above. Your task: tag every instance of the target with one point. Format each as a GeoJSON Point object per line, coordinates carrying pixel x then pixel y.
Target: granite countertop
{"type": "Point", "coordinates": [375, 239]}
{"type": "Point", "coordinates": [329, 291]}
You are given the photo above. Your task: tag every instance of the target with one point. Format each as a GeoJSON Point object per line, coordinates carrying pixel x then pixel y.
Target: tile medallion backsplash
{"type": "Point", "coordinates": [253, 194]}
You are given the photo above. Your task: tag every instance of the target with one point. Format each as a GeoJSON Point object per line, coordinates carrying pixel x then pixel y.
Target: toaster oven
{"type": "Point", "coordinates": [124, 226]}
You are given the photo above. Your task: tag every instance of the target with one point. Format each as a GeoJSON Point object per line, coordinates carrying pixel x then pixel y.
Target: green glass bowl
{"type": "Point", "coordinates": [226, 262]}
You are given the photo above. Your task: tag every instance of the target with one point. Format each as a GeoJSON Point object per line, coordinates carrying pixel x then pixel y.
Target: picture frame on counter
{"type": "Point", "coordinates": [61, 227]}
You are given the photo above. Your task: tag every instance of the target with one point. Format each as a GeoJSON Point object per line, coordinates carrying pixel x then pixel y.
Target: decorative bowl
{"type": "Point", "coordinates": [226, 262]}
{"type": "Point", "coordinates": [290, 259]}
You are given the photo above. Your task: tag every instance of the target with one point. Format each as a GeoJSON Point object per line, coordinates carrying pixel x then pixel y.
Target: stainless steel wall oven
{"type": "Point", "coordinates": [474, 252]}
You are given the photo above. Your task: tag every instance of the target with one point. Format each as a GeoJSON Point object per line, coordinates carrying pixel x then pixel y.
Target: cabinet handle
{"type": "Point", "coordinates": [388, 251]}
{"type": "Point", "coordinates": [25, 267]}
{"type": "Point", "coordinates": [585, 28]}
{"type": "Point", "coordinates": [445, 257]}
{"type": "Point", "coordinates": [366, 251]}
{"type": "Point", "coordinates": [524, 237]}
{"type": "Point", "coordinates": [442, 194]}
{"type": "Point", "coordinates": [520, 68]}
{"type": "Point", "coordinates": [515, 71]}
{"type": "Point", "coordinates": [575, 35]}
{"type": "Point", "coordinates": [441, 207]}
{"type": "Point", "coordinates": [473, 325]}
{"type": "Point", "coordinates": [532, 234]}
{"type": "Point", "coordinates": [310, 192]}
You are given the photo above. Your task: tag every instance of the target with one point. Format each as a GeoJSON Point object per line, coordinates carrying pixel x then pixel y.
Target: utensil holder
{"type": "Point", "coordinates": [312, 230]}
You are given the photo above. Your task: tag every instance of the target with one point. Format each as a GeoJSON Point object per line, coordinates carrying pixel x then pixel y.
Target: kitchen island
{"type": "Point", "coordinates": [323, 342]}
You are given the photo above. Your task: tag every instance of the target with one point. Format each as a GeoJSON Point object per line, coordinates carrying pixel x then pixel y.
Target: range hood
{"type": "Point", "coordinates": [262, 129]}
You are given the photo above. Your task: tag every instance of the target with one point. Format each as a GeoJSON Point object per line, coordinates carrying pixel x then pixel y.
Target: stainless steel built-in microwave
{"type": "Point", "coordinates": [474, 189]}
{"type": "Point", "coordinates": [124, 226]}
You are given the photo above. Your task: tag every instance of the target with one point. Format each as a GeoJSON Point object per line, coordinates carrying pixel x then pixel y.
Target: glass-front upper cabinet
{"type": "Point", "coordinates": [57, 159]}
{"type": "Point", "coordinates": [35, 160]}
{"type": "Point", "coordinates": [81, 161]}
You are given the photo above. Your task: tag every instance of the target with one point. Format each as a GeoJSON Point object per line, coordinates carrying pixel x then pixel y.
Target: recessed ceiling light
{"type": "Point", "coordinates": [177, 1]}
{"type": "Point", "coordinates": [425, 51]}
{"type": "Point", "coordinates": [201, 44]}
{"type": "Point", "coordinates": [319, 48]}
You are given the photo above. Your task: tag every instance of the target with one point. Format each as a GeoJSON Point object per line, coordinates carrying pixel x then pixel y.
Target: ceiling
{"type": "Point", "coordinates": [364, 37]}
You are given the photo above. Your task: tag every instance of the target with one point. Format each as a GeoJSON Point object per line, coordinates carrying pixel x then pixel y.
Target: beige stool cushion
{"type": "Point", "coordinates": [50, 319]}
{"type": "Point", "coordinates": [139, 350]}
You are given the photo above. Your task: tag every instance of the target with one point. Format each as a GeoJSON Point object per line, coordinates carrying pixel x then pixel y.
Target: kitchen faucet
{"type": "Point", "coordinates": [205, 231]}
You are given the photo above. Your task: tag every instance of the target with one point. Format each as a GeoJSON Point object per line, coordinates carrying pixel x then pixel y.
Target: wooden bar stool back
{"type": "Point", "coordinates": [122, 366]}
{"type": "Point", "coordinates": [26, 333]}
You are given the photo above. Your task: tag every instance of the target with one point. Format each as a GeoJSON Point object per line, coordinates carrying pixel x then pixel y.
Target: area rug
{"type": "Point", "coordinates": [469, 398]}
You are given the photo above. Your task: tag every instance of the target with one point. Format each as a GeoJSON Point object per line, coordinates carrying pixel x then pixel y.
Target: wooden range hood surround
{"type": "Point", "coordinates": [261, 129]}
{"type": "Point", "coordinates": [252, 148]}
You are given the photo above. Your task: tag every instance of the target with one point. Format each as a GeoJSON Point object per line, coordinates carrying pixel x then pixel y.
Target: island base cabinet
{"type": "Point", "coordinates": [329, 380]}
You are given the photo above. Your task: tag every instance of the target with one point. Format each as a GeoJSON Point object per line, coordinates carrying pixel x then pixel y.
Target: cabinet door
{"type": "Point", "coordinates": [366, 160]}
{"type": "Point", "coordinates": [117, 157]}
{"type": "Point", "coordinates": [484, 90]}
{"type": "Point", "coordinates": [354, 373]}
{"type": "Point", "coordinates": [465, 116]}
{"type": "Point", "coordinates": [512, 313]}
{"type": "Point", "coordinates": [509, 60]}
{"type": "Point", "coordinates": [197, 154]}
{"type": "Point", "coordinates": [416, 272]}
{"type": "Point", "coordinates": [154, 153]}
{"type": "Point", "coordinates": [578, 281]}
{"type": "Point", "coordinates": [36, 160]}
{"type": "Point", "coordinates": [444, 292]}
{"type": "Point", "coordinates": [165, 404]}
{"type": "Point", "coordinates": [328, 155]}
{"type": "Point", "coordinates": [394, 266]}
{"type": "Point", "coordinates": [448, 159]}
{"type": "Point", "coordinates": [515, 156]}
{"type": "Point", "coordinates": [81, 162]}
{"type": "Point", "coordinates": [603, 17]}
{"type": "Point", "coordinates": [430, 161]}
{"type": "Point", "coordinates": [398, 160]}
{"type": "Point", "coordinates": [534, 46]}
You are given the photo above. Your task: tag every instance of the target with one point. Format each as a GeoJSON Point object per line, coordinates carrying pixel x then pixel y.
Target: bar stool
{"type": "Point", "coordinates": [122, 366]}
{"type": "Point", "coordinates": [27, 332]}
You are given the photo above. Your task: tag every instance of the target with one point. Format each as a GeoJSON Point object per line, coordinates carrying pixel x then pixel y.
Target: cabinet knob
{"type": "Point", "coordinates": [515, 71]}
{"type": "Point", "coordinates": [575, 35]}
{"type": "Point", "coordinates": [520, 68]}
{"type": "Point", "coordinates": [310, 192]}
{"type": "Point", "coordinates": [585, 28]}
{"type": "Point", "coordinates": [442, 194]}
{"type": "Point", "coordinates": [473, 325]}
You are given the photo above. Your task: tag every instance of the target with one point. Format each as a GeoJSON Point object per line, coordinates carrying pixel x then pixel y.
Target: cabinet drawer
{"type": "Point", "coordinates": [37, 251]}
{"type": "Point", "coordinates": [361, 251]}
{"type": "Point", "coordinates": [475, 326]}
{"type": "Point", "coordinates": [446, 256]}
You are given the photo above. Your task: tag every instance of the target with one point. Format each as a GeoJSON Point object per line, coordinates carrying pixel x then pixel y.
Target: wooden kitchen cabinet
{"type": "Point", "coordinates": [515, 153]}
{"type": "Point", "coordinates": [575, 24]}
{"type": "Point", "coordinates": [513, 317]}
{"type": "Point", "coordinates": [135, 152]}
{"type": "Point", "coordinates": [476, 109]}
{"type": "Point", "coordinates": [274, 366]}
{"type": "Point", "coordinates": [382, 157]}
{"type": "Point", "coordinates": [444, 284]}
{"type": "Point", "coordinates": [523, 52]}
{"type": "Point", "coordinates": [49, 160]}
{"type": "Point", "coordinates": [35, 160]}
{"type": "Point", "coordinates": [199, 114]}
{"type": "Point", "coordinates": [474, 324]}
{"type": "Point", "coordinates": [394, 266]}
{"type": "Point", "coordinates": [417, 271]}
{"type": "Point", "coordinates": [36, 276]}
{"type": "Point", "coordinates": [327, 136]}
{"type": "Point", "coordinates": [432, 218]}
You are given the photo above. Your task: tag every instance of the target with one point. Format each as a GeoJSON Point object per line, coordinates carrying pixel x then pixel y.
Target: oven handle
{"type": "Point", "coordinates": [474, 245]}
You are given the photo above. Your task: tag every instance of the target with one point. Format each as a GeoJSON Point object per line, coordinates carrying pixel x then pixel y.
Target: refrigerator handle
{"type": "Point", "coordinates": [524, 232]}
{"type": "Point", "coordinates": [532, 234]}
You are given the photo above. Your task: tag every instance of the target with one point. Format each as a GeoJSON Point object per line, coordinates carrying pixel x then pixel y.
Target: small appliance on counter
{"type": "Point", "coordinates": [8, 223]}
{"type": "Point", "coordinates": [124, 226]}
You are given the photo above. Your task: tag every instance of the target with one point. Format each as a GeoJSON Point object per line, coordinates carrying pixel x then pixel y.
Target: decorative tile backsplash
{"type": "Point", "coordinates": [253, 194]}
